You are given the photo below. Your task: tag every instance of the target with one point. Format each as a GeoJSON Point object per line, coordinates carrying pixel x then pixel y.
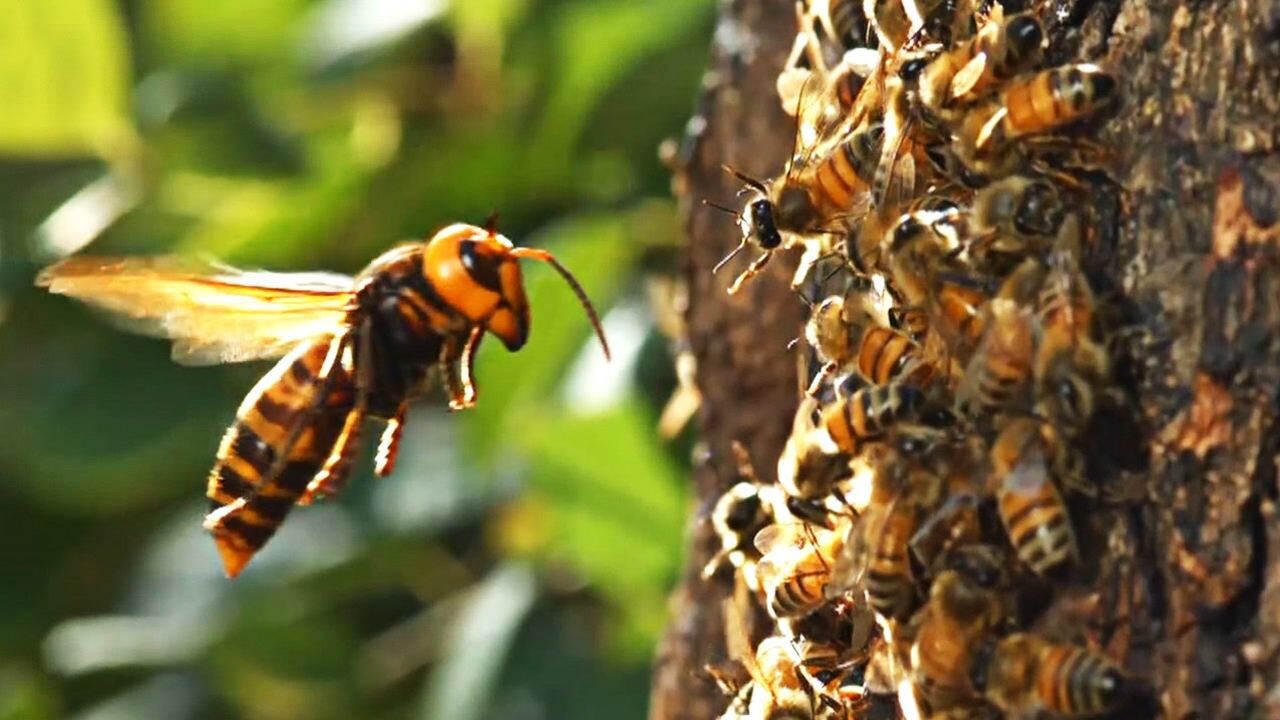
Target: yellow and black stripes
{"type": "Point", "coordinates": [1027, 674]}
{"type": "Point", "coordinates": [285, 431]}
{"type": "Point", "coordinates": [886, 354]}
{"type": "Point", "coordinates": [799, 593]}
{"type": "Point", "coordinates": [889, 585]}
{"type": "Point", "coordinates": [1074, 681]}
{"type": "Point", "coordinates": [1028, 501]}
{"type": "Point", "coordinates": [361, 347]}
{"type": "Point", "coordinates": [842, 176]}
{"type": "Point", "coordinates": [869, 412]}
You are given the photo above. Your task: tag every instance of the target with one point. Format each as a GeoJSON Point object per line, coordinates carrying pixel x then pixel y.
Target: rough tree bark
{"type": "Point", "coordinates": [1182, 572]}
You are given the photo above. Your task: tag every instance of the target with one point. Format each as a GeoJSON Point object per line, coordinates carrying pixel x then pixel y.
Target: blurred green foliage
{"type": "Point", "coordinates": [517, 562]}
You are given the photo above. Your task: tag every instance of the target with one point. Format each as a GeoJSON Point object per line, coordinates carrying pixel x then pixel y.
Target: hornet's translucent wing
{"type": "Point", "coordinates": [213, 314]}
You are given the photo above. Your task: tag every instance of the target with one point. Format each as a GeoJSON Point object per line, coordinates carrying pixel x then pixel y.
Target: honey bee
{"type": "Point", "coordinates": [834, 645]}
{"type": "Point", "coordinates": [1013, 219]}
{"type": "Point", "coordinates": [837, 99]}
{"type": "Point", "coordinates": [1070, 364]}
{"type": "Point", "coordinates": [778, 689]}
{"type": "Point", "coordinates": [353, 348]}
{"type": "Point", "coordinates": [897, 23]}
{"type": "Point", "coordinates": [940, 294]}
{"type": "Point", "coordinates": [839, 79]}
{"type": "Point", "coordinates": [901, 170]}
{"type": "Point", "coordinates": [889, 20]}
{"type": "Point", "coordinates": [1000, 49]}
{"type": "Point", "coordinates": [1028, 675]}
{"type": "Point", "coordinates": [843, 20]}
{"type": "Point", "coordinates": [810, 465]}
{"type": "Point", "coordinates": [795, 566]}
{"type": "Point", "coordinates": [1029, 502]}
{"type": "Point", "coordinates": [877, 557]}
{"type": "Point", "coordinates": [815, 198]}
{"type": "Point", "coordinates": [965, 606]}
{"type": "Point", "coordinates": [782, 693]}
{"type": "Point", "coordinates": [871, 411]}
{"type": "Point", "coordinates": [845, 332]}
{"type": "Point", "coordinates": [741, 512]}
{"type": "Point", "coordinates": [998, 376]}
{"type": "Point", "coordinates": [1033, 104]}
{"type": "Point", "coordinates": [955, 524]}
{"type": "Point", "coordinates": [739, 700]}
{"type": "Point", "coordinates": [888, 581]}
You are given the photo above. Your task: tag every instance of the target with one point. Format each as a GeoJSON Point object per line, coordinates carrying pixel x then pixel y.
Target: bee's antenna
{"type": "Point", "coordinates": [824, 231]}
{"type": "Point", "coordinates": [491, 222]}
{"type": "Point", "coordinates": [720, 207]}
{"type": "Point", "coordinates": [546, 257]}
{"type": "Point", "coordinates": [753, 182]}
{"type": "Point", "coordinates": [729, 257]}
{"type": "Point", "coordinates": [830, 275]}
{"type": "Point", "coordinates": [804, 299]}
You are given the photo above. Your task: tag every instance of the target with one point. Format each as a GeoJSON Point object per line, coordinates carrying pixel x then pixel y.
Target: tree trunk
{"type": "Point", "coordinates": [1181, 576]}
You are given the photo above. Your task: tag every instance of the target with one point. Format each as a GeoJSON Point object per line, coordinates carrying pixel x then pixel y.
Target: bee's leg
{"type": "Point", "coordinates": [812, 256]}
{"type": "Point", "coordinates": [1064, 178]}
{"type": "Point", "coordinates": [467, 366]}
{"type": "Point", "coordinates": [456, 363]}
{"type": "Point", "coordinates": [824, 375]}
{"type": "Point", "coordinates": [912, 320]}
{"type": "Point", "coordinates": [389, 446]}
{"type": "Point", "coordinates": [337, 468]}
{"type": "Point", "coordinates": [752, 270]}
{"type": "Point", "coordinates": [334, 474]}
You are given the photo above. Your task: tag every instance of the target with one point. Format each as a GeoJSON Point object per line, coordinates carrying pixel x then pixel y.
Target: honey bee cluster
{"type": "Point", "coordinates": [921, 504]}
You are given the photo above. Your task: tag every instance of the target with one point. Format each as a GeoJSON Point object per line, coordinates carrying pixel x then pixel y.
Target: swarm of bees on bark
{"type": "Point", "coordinates": [953, 361]}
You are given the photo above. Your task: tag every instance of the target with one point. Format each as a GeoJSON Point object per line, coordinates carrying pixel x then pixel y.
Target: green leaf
{"type": "Point", "coordinates": [598, 44]}
{"type": "Point", "coordinates": [220, 33]}
{"type": "Point", "coordinates": [25, 694]}
{"type": "Point", "coordinates": [478, 644]}
{"type": "Point", "coordinates": [610, 484]}
{"type": "Point", "coordinates": [98, 422]}
{"type": "Point", "coordinates": [617, 507]}
{"type": "Point", "coordinates": [64, 78]}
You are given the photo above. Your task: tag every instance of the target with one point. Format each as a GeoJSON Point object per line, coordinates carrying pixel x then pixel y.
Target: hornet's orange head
{"type": "Point", "coordinates": [475, 271]}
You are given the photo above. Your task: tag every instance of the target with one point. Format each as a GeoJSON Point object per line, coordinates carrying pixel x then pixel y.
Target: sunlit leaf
{"type": "Point", "coordinates": [616, 505]}
{"type": "Point", "coordinates": [340, 29]}
{"type": "Point", "coordinates": [25, 695]}
{"type": "Point", "coordinates": [609, 484]}
{"type": "Point", "coordinates": [170, 695]}
{"type": "Point", "coordinates": [478, 645]}
{"type": "Point", "coordinates": [64, 78]}
{"type": "Point", "coordinates": [598, 43]}
{"type": "Point", "coordinates": [95, 424]}
{"type": "Point", "coordinates": [214, 33]}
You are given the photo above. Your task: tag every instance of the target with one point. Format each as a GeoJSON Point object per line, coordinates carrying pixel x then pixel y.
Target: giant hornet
{"type": "Point", "coordinates": [353, 348]}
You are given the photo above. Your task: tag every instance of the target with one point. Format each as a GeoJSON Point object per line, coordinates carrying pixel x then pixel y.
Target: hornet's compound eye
{"type": "Point", "coordinates": [482, 264]}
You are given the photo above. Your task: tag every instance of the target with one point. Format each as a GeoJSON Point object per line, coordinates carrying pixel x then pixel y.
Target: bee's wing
{"type": "Point", "coordinates": [854, 557]}
{"type": "Point", "coordinates": [215, 316]}
{"type": "Point", "coordinates": [1029, 476]}
{"type": "Point", "coordinates": [737, 629]}
{"type": "Point", "coordinates": [968, 76]}
{"type": "Point", "coordinates": [895, 132]}
{"type": "Point", "coordinates": [782, 537]}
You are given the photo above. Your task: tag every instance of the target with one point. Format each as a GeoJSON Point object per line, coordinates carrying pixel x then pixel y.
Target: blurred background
{"type": "Point", "coordinates": [517, 562]}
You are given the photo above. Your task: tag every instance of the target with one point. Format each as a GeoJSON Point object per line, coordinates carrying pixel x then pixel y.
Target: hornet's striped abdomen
{"type": "Point", "coordinates": [283, 434]}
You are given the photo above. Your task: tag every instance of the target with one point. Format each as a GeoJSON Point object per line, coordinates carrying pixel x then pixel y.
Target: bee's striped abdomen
{"type": "Point", "coordinates": [281, 423]}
